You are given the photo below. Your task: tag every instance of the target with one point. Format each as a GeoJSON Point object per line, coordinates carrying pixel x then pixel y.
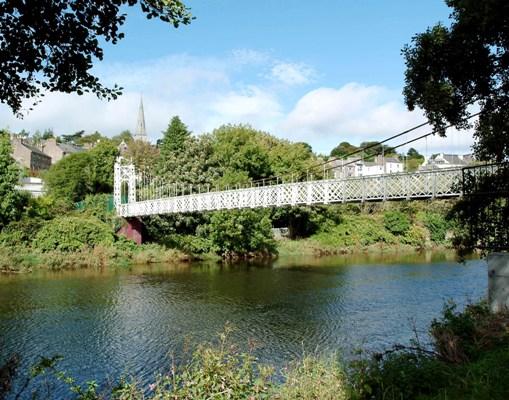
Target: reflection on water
{"type": "Point", "coordinates": [109, 323]}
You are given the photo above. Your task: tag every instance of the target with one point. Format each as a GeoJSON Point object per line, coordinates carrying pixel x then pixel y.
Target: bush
{"type": "Point", "coordinates": [469, 359]}
{"type": "Point", "coordinates": [70, 233]}
{"type": "Point", "coordinates": [437, 226]}
{"type": "Point", "coordinates": [354, 230]}
{"type": "Point", "coordinates": [463, 337]}
{"type": "Point", "coordinates": [21, 232]}
{"type": "Point", "coordinates": [97, 206]}
{"type": "Point", "coordinates": [190, 244]}
{"type": "Point", "coordinates": [415, 236]}
{"type": "Point", "coordinates": [396, 222]}
{"type": "Point", "coordinates": [235, 233]}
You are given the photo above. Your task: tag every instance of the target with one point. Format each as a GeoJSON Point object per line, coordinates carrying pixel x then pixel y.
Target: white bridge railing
{"type": "Point", "coordinates": [418, 185]}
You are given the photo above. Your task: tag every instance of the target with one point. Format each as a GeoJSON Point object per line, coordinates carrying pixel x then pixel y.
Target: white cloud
{"type": "Point", "coordinates": [325, 117]}
{"type": "Point", "coordinates": [209, 91]}
{"type": "Point", "coordinates": [292, 74]}
{"type": "Point", "coordinates": [250, 56]}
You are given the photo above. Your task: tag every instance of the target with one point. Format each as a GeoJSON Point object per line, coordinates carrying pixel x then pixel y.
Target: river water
{"type": "Point", "coordinates": [116, 322]}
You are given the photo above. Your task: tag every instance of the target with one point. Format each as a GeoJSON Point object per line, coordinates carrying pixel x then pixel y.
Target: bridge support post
{"type": "Point", "coordinates": [498, 281]}
{"type": "Point", "coordinates": [132, 230]}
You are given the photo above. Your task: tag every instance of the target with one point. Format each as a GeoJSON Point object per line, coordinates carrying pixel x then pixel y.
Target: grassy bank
{"type": "Point", "coordinates": [21, 259]}
{"type": "Point", "coordinates": [389, 227]}
{"type": "Point", "coordinates": [468, 358]}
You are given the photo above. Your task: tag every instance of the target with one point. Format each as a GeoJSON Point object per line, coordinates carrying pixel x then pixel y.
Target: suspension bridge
{"type": "Point", "coordinates": [135, 196]}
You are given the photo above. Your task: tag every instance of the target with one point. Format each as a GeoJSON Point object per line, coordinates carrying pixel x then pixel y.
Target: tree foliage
{"type": "Point", "coordinates": [174, 138]}
{"type": "Point", "coordinates": [80, 174]}
{"type": "Point", "coordinates": [236, 233]}
{"type": "Point", "coordinates": [10, 199]}
{"type": "Point", "coordinates": [143, 154]}
{"type": "Point", "coordinates": [449, 68]}
{"type": "Point", "coordinates": [71, 233]}
{"type": "Point", "coordinates": [396, 222]}
{"type": "Point", "coordinates": [50, 45]}
{"type": "Point", "coordinates": [343, 149]}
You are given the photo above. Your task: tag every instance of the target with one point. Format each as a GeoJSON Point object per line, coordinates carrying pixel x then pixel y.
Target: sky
{"type": "Point", "coordinates": [322, 72]}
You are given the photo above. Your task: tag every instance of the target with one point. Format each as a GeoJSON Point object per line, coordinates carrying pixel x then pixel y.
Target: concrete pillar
{"type": "Point", "coordinates": [498, 281]}
{"type": "Point", "coordinates": [132, 230]}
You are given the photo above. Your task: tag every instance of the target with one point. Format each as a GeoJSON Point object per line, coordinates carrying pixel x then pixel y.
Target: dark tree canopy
{"type": "Point", "coordinates": [450, 68]}
{"type": "Point", "coordinates": [343, 149]}
{"type": "Point", "coordinates": [50, 45]}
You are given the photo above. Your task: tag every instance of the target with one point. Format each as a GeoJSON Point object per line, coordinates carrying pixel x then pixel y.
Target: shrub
{"type": "Point", "coordinates": [415, 236]}
{"type": "Point", "coordinates": [396, 222]}
{"type": "Point", "coordinates": [314, 378]}
{"type": "Point", "coordinates": [354, 230]}
{"type": "Point", "coordinates": [437, 226]}
{"type": "Point", "coordinates": [236, 233]}
{"type": "Point", "coordinates": [462, 337]}
{"type": "Point", "coordinates": [97, 206]}
{"type": "Point", "coordinates": [190, 244]}
{"type": "Point", "coordinates": [21, 232]}
{"type": "Point", "coordinates": [71, 233]}
{"type": "Point", "coordinates": [468, 359]}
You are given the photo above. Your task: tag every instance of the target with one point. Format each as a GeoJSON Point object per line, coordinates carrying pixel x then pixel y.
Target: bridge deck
{"type": "Point", "coordinates": [418, 185]}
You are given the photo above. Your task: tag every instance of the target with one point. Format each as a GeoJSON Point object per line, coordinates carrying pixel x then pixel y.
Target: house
{"type": "Point", "coordinates": [29, 156]}
{"type": "Point", "coordinates": [353, 167]}
{"type": "Point", "coordinates": [442, 160]}
{"type": "Point", "coordinates": [32, 185]}
{"type": "Point", "coordinates": [57, 151]}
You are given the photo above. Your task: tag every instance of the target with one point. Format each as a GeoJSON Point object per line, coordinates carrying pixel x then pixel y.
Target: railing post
{"type": "Point", "coordinates": [309, 193]}
{"type": "Point", "coordinates": [295, 189]}
{"type": "Point", "coordinates": [326, 194]}
{"type": "Point", "coordinates": [434, 192]}
{"type": "Point", "coordinates": [384, 187]}
{"type": "Point", "coordinates": [363, 186]}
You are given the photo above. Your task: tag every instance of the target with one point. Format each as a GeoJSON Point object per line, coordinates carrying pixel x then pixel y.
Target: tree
{"type": "Point", "coordinates": [143, 154]}
{"type": "Point", "coordinates": [48, 134]}
{"type": "Point", "coordinates": [91, 139]}
{"type": "Point", "coordinates": [174, 138]}
{"type": "Point", "coordinates": [412, 153]}
{"type": "Point", "coordinates": [50, 45]}
{"type": "Point", "coordinates": [80, 174]}
{"type": "Point", "coordinates": [450, 68]}
{"type": "Point", "coordinates": [235, 233]}
{"type": "Point", "coordinates": [192, 165]}
{"type": "Point", "coordinates": [124, 136]}
{"type": "Point", "coordinates": [375, 148]}
{"type": "Point", "coordinates": [72, 138]}
{"type": "Point", "coordinates": [240, 154]}
{"type": "Point", "coordinates": [10, 198]}
{"type": "Point", "coordinates": [343, 149]}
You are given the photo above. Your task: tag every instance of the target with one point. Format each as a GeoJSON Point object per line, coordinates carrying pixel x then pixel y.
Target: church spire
{"type": "Point", "coordinates": [141, 133]}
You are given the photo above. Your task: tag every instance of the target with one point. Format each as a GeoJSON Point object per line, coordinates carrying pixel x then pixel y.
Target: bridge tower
{"type": "Point", "coordinates": [124, 192]}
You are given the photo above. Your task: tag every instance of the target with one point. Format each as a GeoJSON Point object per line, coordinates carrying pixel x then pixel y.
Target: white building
{"type": "Point", "coordinates": [32, 185]}
{"type": "Point", "coordinates": [441, 160]}
{"type": "Point", "coordinates": [353, 167]}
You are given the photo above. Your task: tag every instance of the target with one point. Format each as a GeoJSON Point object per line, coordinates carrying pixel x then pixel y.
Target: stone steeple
{"type": "Point", "coordinates": [141, 133]}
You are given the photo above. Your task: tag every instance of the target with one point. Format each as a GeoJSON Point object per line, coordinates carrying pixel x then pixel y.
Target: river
{"type": "Point", "coordinates": [116, 322]}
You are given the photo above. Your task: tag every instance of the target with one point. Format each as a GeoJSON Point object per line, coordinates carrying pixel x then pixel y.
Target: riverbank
{"type": "Point", "coordinates": [313, 247]}
{"type": "Point", "coordinates": [20, 259]}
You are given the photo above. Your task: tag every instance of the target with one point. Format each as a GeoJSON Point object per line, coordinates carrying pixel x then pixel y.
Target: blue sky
{"type": "Point", "coordinates": [322, 71]}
